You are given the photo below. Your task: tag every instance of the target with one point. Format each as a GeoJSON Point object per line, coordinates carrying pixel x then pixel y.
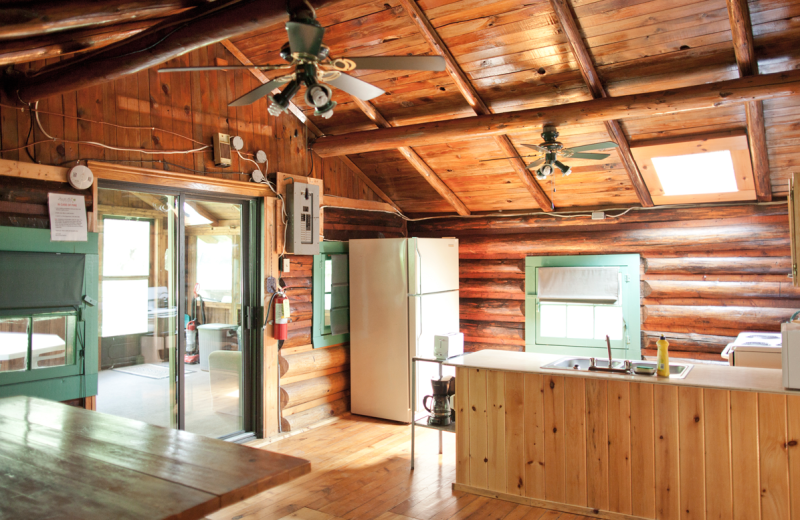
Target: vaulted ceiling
{"type": "Point", "coordinates": [519, 55]}
{"type": "Point", "coordinates": [510, 55]}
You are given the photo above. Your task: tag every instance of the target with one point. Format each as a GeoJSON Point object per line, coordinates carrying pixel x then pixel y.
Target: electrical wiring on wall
{"type": "Point", "coordinates": [575, 214]}
{"type": "Point", "coordinates": [51, 139]}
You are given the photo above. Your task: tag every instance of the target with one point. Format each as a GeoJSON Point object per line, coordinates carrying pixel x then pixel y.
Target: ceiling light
{"type": "Point", "coordinates": [696, 174]}
{"type": "Point", "coordinates": [565, 170]}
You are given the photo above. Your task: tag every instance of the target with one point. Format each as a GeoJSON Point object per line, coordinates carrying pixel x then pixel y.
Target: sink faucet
{"type": "Point", "coordinates": [610, 368]}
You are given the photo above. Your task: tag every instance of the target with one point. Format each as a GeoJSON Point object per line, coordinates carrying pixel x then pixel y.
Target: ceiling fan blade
{"type": "Point", "coordinates": [595, 156]}
{"type": "Point", "coordinates": [535, 163]}
{"type": "Point", "coordinates": [433, 63]}
{"type": "Point", "coordinates": [257, 93]}
{"type": "Point", "coordinates": [355, 87]}
{"type": "Point", "coordinates": [536, 147]}
{"type": "Point", "coordinates": [595, 146]}
{"type": "Point", "coordinates": [304, 38]}
{"type": "Point", "coordinates": [226, 67]}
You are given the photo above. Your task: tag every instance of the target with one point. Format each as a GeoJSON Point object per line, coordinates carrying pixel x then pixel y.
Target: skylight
{"type": "Point", "coordinates": [193, 218]}
{"type": "Point", "coordinates": [696, 174]}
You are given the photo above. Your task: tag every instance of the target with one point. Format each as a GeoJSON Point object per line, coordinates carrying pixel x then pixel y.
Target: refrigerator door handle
{"type": "Point", "coordinates": [418, 269]}
{"type": "Point", "coordinates": [414, 335]}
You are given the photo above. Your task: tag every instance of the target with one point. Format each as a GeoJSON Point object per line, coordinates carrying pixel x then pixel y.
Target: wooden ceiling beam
{"type": "Point", "coordinates": [363, 176]}
{"type": "Point", "coordinates": [592, 79]}
{"type": "Point", "coordinates": [204, 212]}
{"type": "Point", "coordinates": [37, 18]}
{"type": "Point", "coordinates": [696, 97]}
{"type": "Point", "coordinates": [416, 161]}
{"type": "Point", "coordinates": [174, 36]}
{"type": "Point", "coordinates": [469, 92]}
{"type": "Point", "coordinates": [743, 47]}
{"type": "Point", "coordinates": [68, 42]}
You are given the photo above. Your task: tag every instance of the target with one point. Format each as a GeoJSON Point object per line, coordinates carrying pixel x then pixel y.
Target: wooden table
{"type": "Point", "coordinates": [67, 462]}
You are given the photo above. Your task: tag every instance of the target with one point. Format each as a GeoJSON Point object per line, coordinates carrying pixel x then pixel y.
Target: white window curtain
{"type": "Point", "coordinates": [579, 284]}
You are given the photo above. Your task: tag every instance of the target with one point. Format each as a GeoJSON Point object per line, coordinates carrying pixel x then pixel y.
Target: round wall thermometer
{"type": "Point", "coordinates": [80, 177]}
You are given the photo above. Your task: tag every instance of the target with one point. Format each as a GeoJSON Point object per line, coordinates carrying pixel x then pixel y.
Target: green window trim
{"type": "Point", "coordinates": [320, 332]}
{"type": "Point", "coordinates": [629, 347]}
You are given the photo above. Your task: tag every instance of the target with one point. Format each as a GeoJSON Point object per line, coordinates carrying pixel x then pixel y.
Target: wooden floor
{"type": "Point", "coordinates": [360, 470]}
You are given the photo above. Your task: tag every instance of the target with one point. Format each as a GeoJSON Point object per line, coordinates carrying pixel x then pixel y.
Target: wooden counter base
{"type": "Point", "coordinates": [622, 450]}
{"type": "Point", "coordinates": [544, 504]}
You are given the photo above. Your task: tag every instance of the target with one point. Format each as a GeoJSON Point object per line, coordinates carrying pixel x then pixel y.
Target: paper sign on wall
{"type": "Point", "coordinates": [67, 217]}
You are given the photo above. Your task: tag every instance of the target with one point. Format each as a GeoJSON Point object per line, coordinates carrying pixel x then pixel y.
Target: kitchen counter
{"type": "Point", "coordinates": [721, 443]}
{"type": "Point", "coordinates": [721, 377]}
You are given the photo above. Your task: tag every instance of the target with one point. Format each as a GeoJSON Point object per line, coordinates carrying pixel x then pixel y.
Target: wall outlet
{"type": "Point", "coordinates": [598, 215]}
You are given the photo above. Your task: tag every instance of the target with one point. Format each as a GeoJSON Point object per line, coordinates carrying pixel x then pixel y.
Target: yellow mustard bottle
{"type": "Point", "coordinates": [662, 368]}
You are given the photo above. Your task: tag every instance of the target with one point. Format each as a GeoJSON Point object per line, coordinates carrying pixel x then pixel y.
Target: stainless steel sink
{"type": "Point", "coordinates": [581, 364]}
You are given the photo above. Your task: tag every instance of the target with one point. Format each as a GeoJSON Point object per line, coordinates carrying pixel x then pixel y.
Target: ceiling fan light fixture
{"type": "Point", "coordinates": [565, 170]}
{"type": "Point", "coordinates": [280, 102]}
{"type": "Point", "coordinates": [545, 171]}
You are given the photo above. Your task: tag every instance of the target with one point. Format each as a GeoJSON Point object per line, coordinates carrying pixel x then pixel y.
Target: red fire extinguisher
{"type": "Point", "coordinates": [280, 328]}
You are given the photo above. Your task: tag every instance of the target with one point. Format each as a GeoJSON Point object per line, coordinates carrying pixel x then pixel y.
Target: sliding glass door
{"type": "Point", "coordinates": [178, 338]}
{"type": "Point", "coordinates": [213, 394]}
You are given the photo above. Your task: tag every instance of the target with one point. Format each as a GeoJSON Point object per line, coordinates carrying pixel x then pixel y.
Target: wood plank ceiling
{"type": "Point", "coordinates": [504, 56]}
{"type": "Point", "coordinates": [509, 56]}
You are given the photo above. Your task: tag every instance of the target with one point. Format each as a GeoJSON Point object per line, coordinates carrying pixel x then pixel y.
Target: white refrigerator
{"type": "Point", "coordinates": [402, 293]}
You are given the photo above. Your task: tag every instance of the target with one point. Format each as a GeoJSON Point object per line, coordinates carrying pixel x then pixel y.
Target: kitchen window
{"type": "Point", "coordinates": [331, 295]}
{"type": "Point", "coordinates": [573, 302]}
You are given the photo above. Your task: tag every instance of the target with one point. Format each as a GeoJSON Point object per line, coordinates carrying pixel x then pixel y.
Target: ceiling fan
{"type": "Point", "coordinates": [552, 150]}
{"type": "Point", "coordinates": [311, 65]}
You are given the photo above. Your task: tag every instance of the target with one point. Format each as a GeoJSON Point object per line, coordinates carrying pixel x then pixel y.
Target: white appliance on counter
{"type": "Point", "coordinates": [790, 332]}
{"type": "Point", "coordinates": [403, 292]}
{"type": "Point", "coordinates": [754, 349]}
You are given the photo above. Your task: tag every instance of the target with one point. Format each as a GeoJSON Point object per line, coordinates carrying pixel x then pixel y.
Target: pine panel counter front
{"type": "Point", "coordinates": [58, 461]}
{"type": "Point", "coordinates": [720, 444]}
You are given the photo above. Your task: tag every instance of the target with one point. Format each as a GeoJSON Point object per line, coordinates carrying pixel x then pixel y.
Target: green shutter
{"type": "Point", "coordinates": [340, 296]}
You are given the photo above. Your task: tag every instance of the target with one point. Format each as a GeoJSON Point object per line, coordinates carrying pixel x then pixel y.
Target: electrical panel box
{"type": "Point", "coordinates": [302, 210]}
{"type": "Point", "coordinates": [222, 150]}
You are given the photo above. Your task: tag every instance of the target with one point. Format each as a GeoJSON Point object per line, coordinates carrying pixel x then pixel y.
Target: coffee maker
{"type": "Point", "coordinates": [441, 412]}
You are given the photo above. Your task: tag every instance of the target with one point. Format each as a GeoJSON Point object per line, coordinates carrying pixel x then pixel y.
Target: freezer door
{"type": "Point", "coordinates": [430, 315]}
{"type": "Point", "coordinates": [379, 369]}
{"type": "Point", "coordinates": [433, 265]}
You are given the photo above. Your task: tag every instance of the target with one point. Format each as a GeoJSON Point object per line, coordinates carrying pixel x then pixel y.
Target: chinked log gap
{"type": "Point", "coordinates": [171, 38]}
{"type": "Point", "coordinates": [592, 79]}
{"type": "Point", "coordinates": [709, 95]}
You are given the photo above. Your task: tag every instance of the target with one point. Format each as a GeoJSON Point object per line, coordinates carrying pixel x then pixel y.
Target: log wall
{"type": "Point", "coordinates": [315, 383]}
{"type": "Point", "coordinates": [707, 273]}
